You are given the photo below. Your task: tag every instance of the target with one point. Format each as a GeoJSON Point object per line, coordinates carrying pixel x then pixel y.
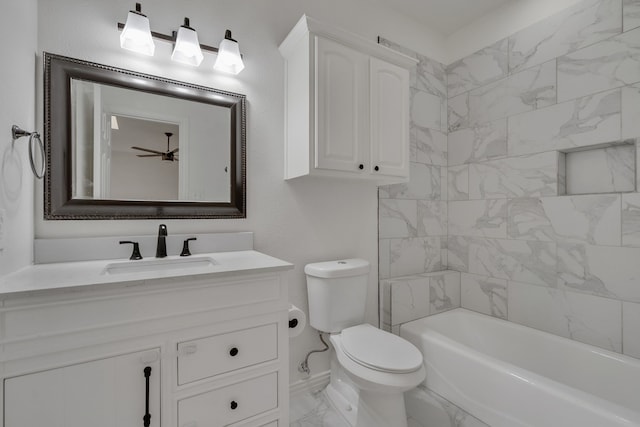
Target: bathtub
{"type": "Point", "coordinates": [509, 375]}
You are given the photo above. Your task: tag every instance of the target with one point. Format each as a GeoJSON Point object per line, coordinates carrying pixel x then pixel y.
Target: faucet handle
{"type": "Point", "coordinates": [185, 247]}
{"type": "Point", "coordinates": [136, 249]}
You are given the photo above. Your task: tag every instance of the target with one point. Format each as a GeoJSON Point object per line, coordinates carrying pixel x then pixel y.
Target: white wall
{"type": "Point", "coordinates": [300, 221]}
{"type": "Point", "coordinates": [18, 28]}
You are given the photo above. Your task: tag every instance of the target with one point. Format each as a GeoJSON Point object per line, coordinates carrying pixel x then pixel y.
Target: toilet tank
{"type": "Point", "coordinates": [337, 292]}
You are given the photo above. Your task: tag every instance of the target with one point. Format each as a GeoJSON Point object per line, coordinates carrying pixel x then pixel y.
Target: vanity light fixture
{"type": "Point", "coordinates": [137, 36]}
{"type": "Point", "coordinates": [229, 59]}
{"type": "Point", "coordinates": [136, 33]}
{"type": "Point", "coordinates": [187, 48]}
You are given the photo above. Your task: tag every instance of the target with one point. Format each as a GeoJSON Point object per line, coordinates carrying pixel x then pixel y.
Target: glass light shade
{"type": "Point", "coordinates": [229, 59]}
{"type": "Point", "coordinates": [136, 35]}
{"type": "Point", "coordinates": [187, 49]}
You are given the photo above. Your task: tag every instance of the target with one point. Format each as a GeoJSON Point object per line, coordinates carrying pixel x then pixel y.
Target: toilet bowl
{"type": "Point", "coordinates": [370, 368]}
{"type": "Point", "coordinates": [381, 367]}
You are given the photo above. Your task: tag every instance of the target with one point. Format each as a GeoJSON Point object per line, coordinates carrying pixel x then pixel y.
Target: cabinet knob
{"type": "Point", "coordinates": [233, 404]}
{"type": "Point", "coordinates": [233, 352]}
{"type": "Point", "coordinates": [376, 169]}
{"type": "Point", "coordinates": [361, 166]}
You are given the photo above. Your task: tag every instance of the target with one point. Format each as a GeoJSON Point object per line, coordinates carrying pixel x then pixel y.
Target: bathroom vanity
{"type": "Point", "coordinates": [174, 342]}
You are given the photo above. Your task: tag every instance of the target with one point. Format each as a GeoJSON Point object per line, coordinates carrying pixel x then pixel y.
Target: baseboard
{"type": "Point", "coordinates": [311, 385]}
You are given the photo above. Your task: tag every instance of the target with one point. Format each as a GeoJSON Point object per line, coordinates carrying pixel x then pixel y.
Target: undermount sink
{"type": "Point", "coordinates": [161, 264]}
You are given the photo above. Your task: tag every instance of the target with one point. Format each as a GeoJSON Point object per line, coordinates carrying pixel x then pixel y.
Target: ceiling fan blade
{"type": "Point", "coordinates": [147, 150]}
{"type": "Point", "coordinates": [148, 155]}
{"type": "Point", "coordinates": [175, 150]}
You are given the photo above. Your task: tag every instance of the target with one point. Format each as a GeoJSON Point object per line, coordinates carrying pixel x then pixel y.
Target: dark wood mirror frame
{"type": "Point", "coordinates": [58, 201]}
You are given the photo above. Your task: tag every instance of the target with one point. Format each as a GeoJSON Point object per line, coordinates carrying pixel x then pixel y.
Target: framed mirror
{"type": "Point", "coordinates": [126, 145]}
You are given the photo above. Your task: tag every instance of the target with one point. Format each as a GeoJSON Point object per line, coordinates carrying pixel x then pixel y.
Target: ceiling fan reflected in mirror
{"type": "Point", "coordinates": [169, 155]}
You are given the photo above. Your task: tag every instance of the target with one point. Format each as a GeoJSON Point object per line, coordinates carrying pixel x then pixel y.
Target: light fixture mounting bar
{"type": "Point", "coordinates": [172, 39]}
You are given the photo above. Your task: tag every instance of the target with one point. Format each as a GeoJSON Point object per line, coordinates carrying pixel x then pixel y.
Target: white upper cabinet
{"type": "Point", "coordinates": [389, 118]}
{"type": "Point", "coordinates": [347, 106]}
{"type": "Point", "coordinates": [341, 104]}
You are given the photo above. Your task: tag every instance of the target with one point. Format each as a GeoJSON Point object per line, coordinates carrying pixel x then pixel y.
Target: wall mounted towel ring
{"type": "Point", "coordinates": [17, 133]}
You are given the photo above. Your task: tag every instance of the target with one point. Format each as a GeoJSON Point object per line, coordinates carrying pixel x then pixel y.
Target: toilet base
{"type": "Point", "coordinates": [364, 408]}
{"type": "Point", "coordinates": [371, 409]}
{"type": "Point", "coordinates": [346, 407]}
{"type": "Point", "coordinates": [376, 409]}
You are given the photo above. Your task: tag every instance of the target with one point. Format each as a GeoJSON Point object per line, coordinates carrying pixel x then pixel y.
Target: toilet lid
{"type": "Point", "coordinates": [380, 350]}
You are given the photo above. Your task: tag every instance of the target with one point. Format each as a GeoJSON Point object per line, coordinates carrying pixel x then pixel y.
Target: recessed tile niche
{"type": "Point", "coordinates": [607, 168]}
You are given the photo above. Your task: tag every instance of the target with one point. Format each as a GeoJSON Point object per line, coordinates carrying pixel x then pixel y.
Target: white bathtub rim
{"type": "Point", "coordinates": [547, 335]}
{"type": "Point", "coordinates": [609, 354]}
{"type": "Point", "coordinates": [578, 397]}
{"type": "Point", "coordinates": [612, 410]}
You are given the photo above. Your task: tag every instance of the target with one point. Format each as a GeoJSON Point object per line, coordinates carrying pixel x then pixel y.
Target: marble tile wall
{"type": "Point", "coordinates": [542, 233]}
{"type": "Point", "coordinates": [610, 169]}
{"type": "Point", "coordinates": [408, 298]}
{"type": "Point", "coordinates": [528, 253]}
{"type": "Point", "coordinates": [413, 215]}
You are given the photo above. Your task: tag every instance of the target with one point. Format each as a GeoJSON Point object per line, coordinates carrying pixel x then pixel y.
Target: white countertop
{"type": "Point", "coordinates": [85, 274]}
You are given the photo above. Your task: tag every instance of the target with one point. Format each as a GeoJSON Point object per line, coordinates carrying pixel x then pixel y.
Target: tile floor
{"type": "Point", "coordinates": [313, 410]}
{"type": "Point", "coordinates": [424, 408]}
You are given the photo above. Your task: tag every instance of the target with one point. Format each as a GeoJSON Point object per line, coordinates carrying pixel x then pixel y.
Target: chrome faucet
{"type": "Point", "coordinates": [161, 249]}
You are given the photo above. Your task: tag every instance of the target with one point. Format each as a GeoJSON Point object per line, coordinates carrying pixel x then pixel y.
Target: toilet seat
{"type": "Point", "coordinates": [380, 350]}
{"type": "Point", "coordinates": [376, 380]}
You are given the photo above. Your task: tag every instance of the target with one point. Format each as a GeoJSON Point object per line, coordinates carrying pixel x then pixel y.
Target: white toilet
{"type": "Point", "coordinates": [370, 368]}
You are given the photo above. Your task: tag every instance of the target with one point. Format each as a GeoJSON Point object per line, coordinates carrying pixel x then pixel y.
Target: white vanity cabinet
{"type": "Point", "coordinates": [347, 106]}
{"type": "Point", "coordinates": [216, 345]}
{"type": "Point", "coordinates": [108, 392]}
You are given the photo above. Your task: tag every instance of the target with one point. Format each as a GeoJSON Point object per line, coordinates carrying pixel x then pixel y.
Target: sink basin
{"type": "Point", "coordinates": [159, 265]}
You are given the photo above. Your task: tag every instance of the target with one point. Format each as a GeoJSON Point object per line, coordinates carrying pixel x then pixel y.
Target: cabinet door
{"type": "Point", "coordinates": [389, 119]}
{"type": "Point", "coordinates": [108, 392]}
{"type": "Point", "coordinates": [341, 107]}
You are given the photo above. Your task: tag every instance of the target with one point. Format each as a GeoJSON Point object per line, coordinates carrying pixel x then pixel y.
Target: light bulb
{"type": "Point", "coordinates": [229, 59]}
{"type": "Point", "coordinates": [136, 35]}
{"type": "Point", "coordinates": [187, 49]}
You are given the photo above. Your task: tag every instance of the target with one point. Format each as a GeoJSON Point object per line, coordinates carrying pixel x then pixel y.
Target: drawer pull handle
{"type": "Point", "coordinates": [233, 405]}
{"type": "Point", "coordinates": [147, 416]}
{"type": "Point", "coordinates": [233, 352]}
{"type": "Point", "coordinates": [376, 168]}
{"type": "Point", "coordinates": [361, 166]}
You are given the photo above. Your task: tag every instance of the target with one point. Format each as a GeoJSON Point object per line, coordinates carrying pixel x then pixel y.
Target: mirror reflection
{"type": "Point", "coordinates": [132, 145]}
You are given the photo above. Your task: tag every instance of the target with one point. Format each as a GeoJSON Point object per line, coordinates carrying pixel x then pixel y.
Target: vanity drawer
{"type": "Point", "coordinates": [230, 404]}
{"type": "Point", "coordinates": [206, 357]}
